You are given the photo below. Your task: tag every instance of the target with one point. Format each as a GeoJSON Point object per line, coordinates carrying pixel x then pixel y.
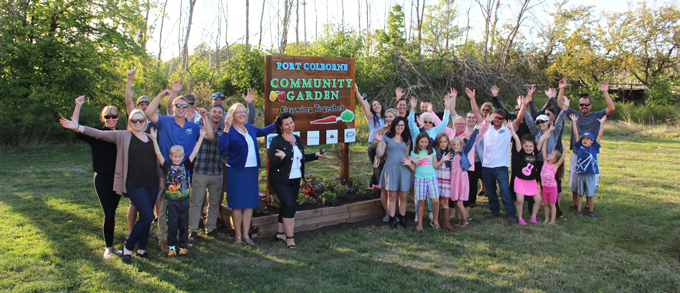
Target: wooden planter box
{"type": "Point", "coordinates": [317, 218]}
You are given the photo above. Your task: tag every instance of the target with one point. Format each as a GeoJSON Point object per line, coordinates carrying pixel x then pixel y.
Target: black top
{"type": "Point", "coordinates": [524, 165]}
{"type": "Point", "coordinates": [103, 153]}
{"type": "Point", "coordinates": [141, 163]}
{"type": "Point", "coordinates": [279, 170]}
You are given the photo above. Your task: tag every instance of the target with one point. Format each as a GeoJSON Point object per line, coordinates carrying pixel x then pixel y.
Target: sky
{"type": "Point", "coordinates": [208, 14]}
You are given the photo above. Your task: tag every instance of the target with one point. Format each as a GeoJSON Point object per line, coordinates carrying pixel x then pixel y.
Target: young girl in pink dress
{"type": "Point", "coordinates": [460, 163]}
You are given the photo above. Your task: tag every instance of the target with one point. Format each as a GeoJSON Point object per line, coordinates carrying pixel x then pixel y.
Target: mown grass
{"type": "Point", "coordinates": [52, 241]}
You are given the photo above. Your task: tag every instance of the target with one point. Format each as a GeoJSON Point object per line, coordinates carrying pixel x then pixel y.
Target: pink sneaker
{"type": "Point", "coordinates": [533, 220]}
{"type": "Point", "coordinates": [522, 222]}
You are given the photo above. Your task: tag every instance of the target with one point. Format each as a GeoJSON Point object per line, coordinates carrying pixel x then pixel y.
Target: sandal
{"type": "Point", "coordinates": [238, 240]}
{"type": "Point", "coordinates": [435, 226]}
{"type": "Point", "coordinates": [463, 224]}
{"type": "Point", "coordinates": [249, 241]}
{"type": "Point", "coordinates": [546, 222]}
{"type": "Point", "coordinates": [277, 238]}
{"type": "Point", "coordinates": [469, 219]}
{"type": "Point", "coordinates": [419, 227]}
{"type": "Point", "coordinates": [292, 246]}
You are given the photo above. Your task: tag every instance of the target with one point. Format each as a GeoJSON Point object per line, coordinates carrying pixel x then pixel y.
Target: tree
{"type": "Point", "coordinates": [439, 29]}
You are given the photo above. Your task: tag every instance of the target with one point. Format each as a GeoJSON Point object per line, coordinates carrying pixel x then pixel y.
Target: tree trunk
{"type": "Point", "coordinates": [286, 19]}
{"type": "Point", "coordinates": [511, 37]}
{"type": "Point", "coordinates": [247, 21]}
{"type": "Point", "coordinates": [304, 16]}
{"type": "Point", "coordinates": [185, 50]}
{"type": "Point", "coordinates": [160, 35]}
{"type": "Point", "coordinates": [359, 14]}
{"type": "Point", "coordinates": [259, 43]}
{"type": "Point", "coordinates": [297, 22]}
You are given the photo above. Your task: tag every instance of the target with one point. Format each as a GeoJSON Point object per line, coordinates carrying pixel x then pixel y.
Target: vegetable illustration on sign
{"type": "Point", "coordinates": [345, 116]}
{"type": "Point", "coordinates": [273, 95]}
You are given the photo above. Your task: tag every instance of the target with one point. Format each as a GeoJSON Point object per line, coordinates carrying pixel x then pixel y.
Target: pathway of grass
{"type": "Point", "coordinates": [51, 239]}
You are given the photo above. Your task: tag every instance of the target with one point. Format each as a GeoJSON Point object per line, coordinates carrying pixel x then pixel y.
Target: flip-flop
{"type": "Point", "coordinates": [419, 228]}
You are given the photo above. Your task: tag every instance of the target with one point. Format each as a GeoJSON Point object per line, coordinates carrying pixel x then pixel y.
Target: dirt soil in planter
{"type": "Point", "coordinates": [311, 204]}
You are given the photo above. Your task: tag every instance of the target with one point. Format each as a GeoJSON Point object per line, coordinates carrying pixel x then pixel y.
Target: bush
{"type": "Point", "coordinates": [648, 115]}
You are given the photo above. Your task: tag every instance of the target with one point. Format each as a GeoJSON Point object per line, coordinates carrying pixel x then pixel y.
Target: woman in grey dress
{"type": "Point", "coordinates": [396, 177]}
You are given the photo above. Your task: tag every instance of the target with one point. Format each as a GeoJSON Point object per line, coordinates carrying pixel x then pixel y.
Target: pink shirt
{"type": "Point", "coordinates": [548, 175]}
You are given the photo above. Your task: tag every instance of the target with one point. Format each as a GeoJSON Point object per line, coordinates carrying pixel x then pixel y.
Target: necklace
{"type": "Point", "coordinates": [238, 128]}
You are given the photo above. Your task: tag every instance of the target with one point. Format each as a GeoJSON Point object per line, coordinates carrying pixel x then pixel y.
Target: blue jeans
{"type": "Point", "coordinates": [143, 198]}
{"type": "Point", "coordinates": [499, 174]}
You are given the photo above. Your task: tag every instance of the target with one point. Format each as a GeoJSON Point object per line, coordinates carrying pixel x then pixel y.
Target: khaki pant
{"type": "Point", "coordinates": [200, 182]}
{"type": "Point", "coordinates": [162, 219]}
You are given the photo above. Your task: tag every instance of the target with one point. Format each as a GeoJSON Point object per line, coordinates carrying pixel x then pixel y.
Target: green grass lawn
{"type": "Point", "coordinates": [51, 237]}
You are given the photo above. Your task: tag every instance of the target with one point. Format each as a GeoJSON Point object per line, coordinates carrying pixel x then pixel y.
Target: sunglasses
{"type": "Point", "coordinates": [428, 122]}
{"type": "Point", "coordinates": [584, 105]}
{"type": "Point", "coordinates": [191, 104]}
{"type": "Point", "coordinates": [540, 122]}
{"type": "Point", "coordinates": [111, 117]}
{"type": "Point", "coordinates": [485, 110]}
{"type": "Point", "coordinates": [182, 105]}
{"type": "Point", "coordinates": [137, 121]}
{"type": "Point", "coordinates": [497, 118]}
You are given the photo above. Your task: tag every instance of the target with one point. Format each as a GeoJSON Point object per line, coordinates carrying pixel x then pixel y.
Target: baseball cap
{"type": "Point", "coordinates": [189, 97]}
{"type": "Point", "coordinates": [217, 95]}
{"type": "Point", "coordinates": [143, 99]}
{"type": "Point", "coordinates": [588, 134]}
{"type": "Point", "coordinates": [542, 118]}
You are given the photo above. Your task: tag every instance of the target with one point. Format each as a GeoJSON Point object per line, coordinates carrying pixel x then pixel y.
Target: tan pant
{"type": "Point", "coordinates": [200, 182]}
{"type": "Point", "coordinates": [162, 220]}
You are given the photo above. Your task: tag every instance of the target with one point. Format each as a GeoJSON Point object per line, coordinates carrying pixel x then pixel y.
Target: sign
{"type": "Point", "coordinates": [317, 91]}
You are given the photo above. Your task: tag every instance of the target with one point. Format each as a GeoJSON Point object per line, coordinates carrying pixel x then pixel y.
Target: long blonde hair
{"type": "Point", "coordinates": [136, 111]}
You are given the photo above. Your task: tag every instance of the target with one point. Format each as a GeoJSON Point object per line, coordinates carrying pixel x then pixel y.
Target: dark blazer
{"type": "Point", "coordinates": [279, 170]}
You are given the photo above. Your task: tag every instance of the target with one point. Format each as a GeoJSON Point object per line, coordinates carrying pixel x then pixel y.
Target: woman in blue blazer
{"type": "Point", "coordinates": [239, 140]}
{"type": "Point", "coordinates": [286, 167]}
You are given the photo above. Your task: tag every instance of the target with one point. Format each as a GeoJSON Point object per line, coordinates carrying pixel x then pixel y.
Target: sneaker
{"type": "Point", "coordinates": [592, 215]}
{"type": "Point", "coordinates": [491, 216]}
{"type": "Point", "coordinates": [126, 258]}
{"type": "Point", "coordinates": [579, 214]}
{"type": "Point", "coordinates": [182, 251]}
{"type": "Point", "coordinates": [165, 248]}
{"type": "Point", "coordinates": [386, 219]}
{"type": "Point", "coordinates": [521, 222]}
{"type": "Point", "coordinates": [171, 251]}
{"type": "Point", "coordinates": [533, 220]}
{"type": "Point", "coordinates": [513, 221]}
{"type": "Point", "coordinates": [153, 235]}
{"type": "Point", "coordinates": [108, 253]}
{"type": "Point", "coordinates": [572, 207]}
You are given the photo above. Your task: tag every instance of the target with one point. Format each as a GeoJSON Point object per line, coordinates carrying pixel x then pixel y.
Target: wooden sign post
{"type": "Point", "coordinates": [319, 93]}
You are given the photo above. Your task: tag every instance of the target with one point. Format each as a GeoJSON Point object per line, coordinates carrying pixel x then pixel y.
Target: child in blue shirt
{"type": "Point", "coordinates": [587, 166]}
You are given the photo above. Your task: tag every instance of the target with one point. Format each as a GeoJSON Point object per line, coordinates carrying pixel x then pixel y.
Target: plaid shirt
{"type": "Point", "coordinates": [209, 157]}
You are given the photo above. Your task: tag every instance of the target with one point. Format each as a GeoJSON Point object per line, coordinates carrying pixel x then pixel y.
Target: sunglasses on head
{"type": "Point", "coordinates": [182, 105]}
{"type": "Point", "coordinates": [584, 105]}
{"type": "Point", "coordinates": [111, 117]}
{"type": "Point", "coordinates": [137, 121]}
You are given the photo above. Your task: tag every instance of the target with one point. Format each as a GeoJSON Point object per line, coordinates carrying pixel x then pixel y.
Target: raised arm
{"type": "Point", "coordinates": [559, 120]}
{"type": "Point", "coordinates": [210, 134]}
{"type": "Point", "coordinates": [76, 111]}
{"type": "Point", "coordinates": [544, 138]}
{"type": "Point", "coordinates": [151, 112]}
{"type": "Point", "coordinates": [129, 103]}
{"type": "Point", "coordinates": [560, 95]}
{"type": "Point", "coordinates": [364, 104]}
{"type": "Point", "coordinates": [520, 115]}
{"type": "Point", "coordinates": [398, 92]}
{"type": "Point", "coordinates": [452, 105]}
{"type": "Point", "coordinates": [518, 142]}
{"type": "Point", "coordinates": [560, 161]}
{"type": "Point", "coordinates": [445, 122]}
{"type": "Point", "coordinates": [176, 88]}
{"type": "Point", "coordinates": [251, 106]}
{"type": "Point", "coordinates": [604, 87]}
{"type": "Point", "coordinates": [157, 149]}
{"type": "Point", "coordinates": [198, 144]}
{"type": "Point", "coordinates": [473, 102]}
{"type": "Point", "coordinates": [599, 134]}
{"type": "Point", "coordinates": [574, 125]}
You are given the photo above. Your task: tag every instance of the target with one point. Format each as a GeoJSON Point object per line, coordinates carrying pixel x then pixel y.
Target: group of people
{"type": "Point", "coordinates": [164, 164]}
{"type": "Point", "coordinates": [518, 155]}
{"type": "Point", "coordinates": [168, 165]}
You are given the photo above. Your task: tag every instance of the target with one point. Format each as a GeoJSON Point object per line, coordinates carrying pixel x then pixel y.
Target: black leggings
{"type": "Point", "coordinates": [287, 194]}
{"type": "Point", "coordinates": [103, 185]}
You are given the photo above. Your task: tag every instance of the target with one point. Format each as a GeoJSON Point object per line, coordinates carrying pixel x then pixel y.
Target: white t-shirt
{"type": "Point", "coordinates": [295, 169]}
{"type": "Point", "coordinates": [497, 147]}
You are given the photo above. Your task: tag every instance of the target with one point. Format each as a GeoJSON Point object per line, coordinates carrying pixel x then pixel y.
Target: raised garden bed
{"type": "Point", "coordinates": [312, 219]}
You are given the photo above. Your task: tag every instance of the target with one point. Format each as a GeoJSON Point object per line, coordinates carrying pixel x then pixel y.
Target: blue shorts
{"type": "Point", "coordinates": [586, 184]}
